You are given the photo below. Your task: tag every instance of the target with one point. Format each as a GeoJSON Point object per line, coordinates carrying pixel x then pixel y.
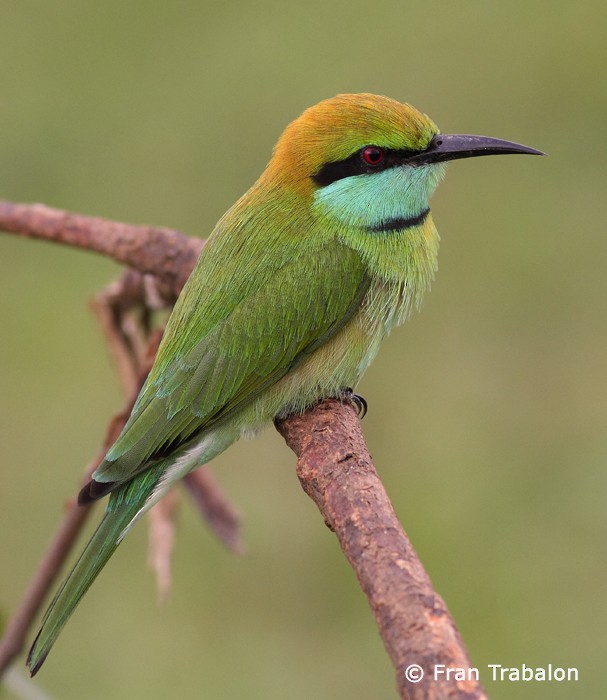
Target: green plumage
{"type": "Point", "coordinates": [99, 549]}
{"type": "Point", "coordinates": [294, 290]}
{"type": "Point", "coordinates": [204, 375]}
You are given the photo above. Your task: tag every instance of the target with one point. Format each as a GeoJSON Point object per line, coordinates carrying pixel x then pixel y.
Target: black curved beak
{"type": "Point", "coordinates": [444, 147]}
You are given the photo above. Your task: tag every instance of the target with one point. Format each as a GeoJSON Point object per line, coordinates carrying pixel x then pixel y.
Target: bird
{"type": "Point", "coordinates": [300, 280]}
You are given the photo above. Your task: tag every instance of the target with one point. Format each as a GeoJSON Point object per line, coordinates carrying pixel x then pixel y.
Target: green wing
{"type": "Point", "coordinates": [217, 356]}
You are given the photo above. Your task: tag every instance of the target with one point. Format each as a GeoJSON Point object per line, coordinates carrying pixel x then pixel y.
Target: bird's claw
{"type": "Point", "coordinates": [359, 403]}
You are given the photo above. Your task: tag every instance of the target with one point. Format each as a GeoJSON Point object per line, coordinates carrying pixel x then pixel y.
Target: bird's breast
{"type": "Point", "coordinates": [340, 362]}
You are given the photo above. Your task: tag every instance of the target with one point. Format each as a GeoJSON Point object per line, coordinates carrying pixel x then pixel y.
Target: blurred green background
{"type": "Point", "coordinates": [487, 412]}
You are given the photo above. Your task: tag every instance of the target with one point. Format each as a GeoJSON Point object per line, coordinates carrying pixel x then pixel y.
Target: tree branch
{"type": "Point", "coordinates": [336, 471]}
{"type": "Point", "coordinates": [165, 253]}
{"type": "Point", "coordinates": [220, 514]}
{"type": "Point", "coordinates": [334, 466]}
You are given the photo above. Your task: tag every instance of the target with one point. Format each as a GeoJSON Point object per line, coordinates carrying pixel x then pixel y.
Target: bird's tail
{"type": "Point", "coordinates": [124, 505]}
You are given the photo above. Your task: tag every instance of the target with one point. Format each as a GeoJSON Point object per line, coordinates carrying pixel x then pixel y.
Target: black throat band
{"type": "Point", "coordinates": [399, 224]}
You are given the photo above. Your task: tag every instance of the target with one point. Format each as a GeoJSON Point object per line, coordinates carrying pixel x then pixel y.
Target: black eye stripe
{"type": "Point", "coordinates": [356, 165]}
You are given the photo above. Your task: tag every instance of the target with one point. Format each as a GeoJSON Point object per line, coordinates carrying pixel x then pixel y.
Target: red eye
{"type": "Point", "coordinates": [372, 155]}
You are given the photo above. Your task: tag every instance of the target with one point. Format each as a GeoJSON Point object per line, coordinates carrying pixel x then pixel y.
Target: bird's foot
{"type": "Point", "coordinates": [356, 400]}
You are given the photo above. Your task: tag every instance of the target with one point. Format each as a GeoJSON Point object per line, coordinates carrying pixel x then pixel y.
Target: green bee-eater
{"type": "Point", "coordinates": [301, 279]}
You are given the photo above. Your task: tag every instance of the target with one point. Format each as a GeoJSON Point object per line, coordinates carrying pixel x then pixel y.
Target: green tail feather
{"type": "Point", "coordinates": [124, 504]}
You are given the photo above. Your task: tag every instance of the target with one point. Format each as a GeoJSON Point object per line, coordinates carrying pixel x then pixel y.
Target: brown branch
{"type": "Point", "coordinates": [336, 471]}
{"type": "Point", "coordinates": [220, 514]}
{"type": "Point", "coordinates": [162, 541]}
{"type": "Point", "coordinates": [163, 252]}
{"type": "Point", "coordinates": [123, 338]}
{"type": "Point", "coordinates": [334, 468]}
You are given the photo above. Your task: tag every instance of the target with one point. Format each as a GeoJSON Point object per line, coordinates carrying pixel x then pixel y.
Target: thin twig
{"type": "Point", "coordinates": [110, 307]}
{"type": "Point", "coordinates": [217, 510]}
{"type": "Point", "coordinates": [162, 541]}
{"type": "Point", "coordinates": [13, 639]}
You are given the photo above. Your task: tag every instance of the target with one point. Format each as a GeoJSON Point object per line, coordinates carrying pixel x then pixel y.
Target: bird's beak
{"type": "Point", "coordinates": [444, 147]}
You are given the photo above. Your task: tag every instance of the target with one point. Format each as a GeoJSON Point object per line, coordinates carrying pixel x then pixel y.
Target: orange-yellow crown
{"type": "Point", "coordinates": [335, 128]}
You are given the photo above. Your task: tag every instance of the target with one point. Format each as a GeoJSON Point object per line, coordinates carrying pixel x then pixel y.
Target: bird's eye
{"type": "Point", "coordinates": [373, 156]}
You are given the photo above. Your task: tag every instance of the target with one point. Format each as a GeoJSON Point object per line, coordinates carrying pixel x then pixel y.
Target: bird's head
{"type": "Point", "coordinates": [366, 159]}
{"type": "Point", "coordinates": [332, 132]}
